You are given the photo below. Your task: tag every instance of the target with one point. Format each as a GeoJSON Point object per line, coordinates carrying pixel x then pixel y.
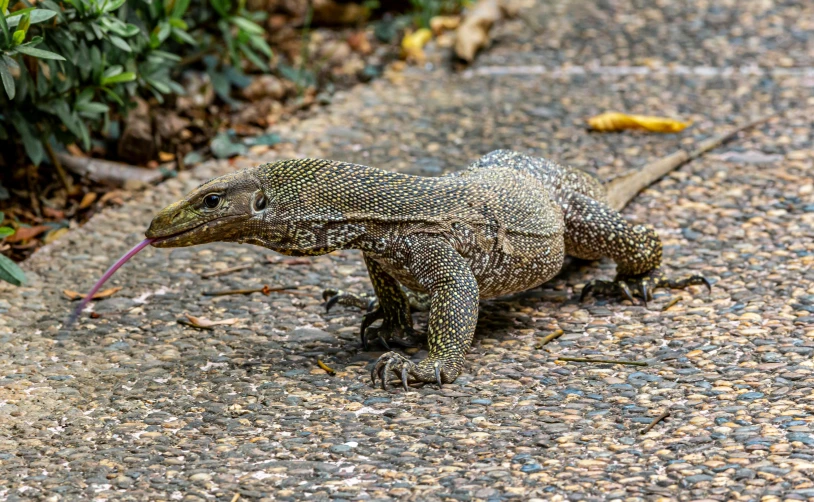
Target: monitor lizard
{"type": "Point", "coordinates": [501, 226]}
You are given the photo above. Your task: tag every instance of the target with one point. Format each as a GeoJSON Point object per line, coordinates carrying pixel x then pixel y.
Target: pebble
{"type": "Point", "coordinates": [135, 403]}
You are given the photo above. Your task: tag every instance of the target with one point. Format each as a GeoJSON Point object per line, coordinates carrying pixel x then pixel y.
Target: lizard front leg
{"type": "Point", "coordinates": [454, 299]}
{"type": "Point", "coordinates": [594, 230]}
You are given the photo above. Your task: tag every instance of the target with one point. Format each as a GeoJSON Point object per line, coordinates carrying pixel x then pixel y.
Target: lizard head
{"type": "Point", "coordinates": [293, 207]}
{"type": "Point", "coordinates": [219, 210]}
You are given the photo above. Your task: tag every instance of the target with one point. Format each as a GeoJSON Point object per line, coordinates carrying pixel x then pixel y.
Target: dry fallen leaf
{"type": "Point", "coordinates": [25, 233]}
{"type": "Point", "coordinates": [412, 45]}
{"type": "Point", "coordinates": [202, 322]}
{"type": "Point", "coordinates": [615, 121]}
{"type": "Point", "coordinates": [74, 295]}
{"type": "Point", "coordinates": [358, 42]}
{"type": "Point", "coordinates": [439, 24]}
{"type": "Point", "coordinates": [54, 235]}
{"type": "Point", "coordinates": [473, 33]}
{"type": "Point", "coordinates": [88, 199]}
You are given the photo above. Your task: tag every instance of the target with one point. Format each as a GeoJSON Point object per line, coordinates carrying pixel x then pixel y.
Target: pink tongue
{"type": "Point", "coordinates": [112, 270]}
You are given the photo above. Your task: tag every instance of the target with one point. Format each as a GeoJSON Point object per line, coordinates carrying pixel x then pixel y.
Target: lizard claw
{"type": "Point", "coordinates": [646, 284]}
{"type": "Point", "coordinates": [337, 296]}
{"type": "Point", "coordinates": [427, 371]}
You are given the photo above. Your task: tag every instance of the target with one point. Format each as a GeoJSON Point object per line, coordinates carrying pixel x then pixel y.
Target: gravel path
{"type": "Point", "coordinates": [133, 405]}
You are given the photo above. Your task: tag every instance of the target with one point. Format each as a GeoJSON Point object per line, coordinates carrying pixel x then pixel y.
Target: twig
{"type": "Point", "coordinates": [236, 497]}
{"type": "Point", "coordinates": [265, 290]}
{"type": "Point", "coordinates": [33, 191]}
{"type": "Point", "coordinates": [664, 414]}
{"type": "Point", "coordinates": [227, 271]}
{"type": "Point", "coordinates": [553, 336]}
{"type": "Point", "coordinates": [193, 325]}
{"type": "Point", "coordinates": [325, 367]}
{"type": "Point", "coordinates": [622, 189]}
{"type": "Point", "coordinates": [672, 302]}
{"type": "Point", "coordinates": [602, 361]}
{"type": "Point", "coordinates": [63, 176]}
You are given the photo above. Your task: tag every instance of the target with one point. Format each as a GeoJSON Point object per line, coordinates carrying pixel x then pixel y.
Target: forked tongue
{"type": "Point", "coordinates": [112, 270]}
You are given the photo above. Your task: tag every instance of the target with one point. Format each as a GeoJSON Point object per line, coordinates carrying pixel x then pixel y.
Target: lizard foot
{"type": "Point", "coordinates": [641, 285]}
{"type": "Point", "coordinates": [334, 296]}
{"type": "Point", "coordinates": [427, 371]}
{"type": "Point", "coordinates": [391, 331]}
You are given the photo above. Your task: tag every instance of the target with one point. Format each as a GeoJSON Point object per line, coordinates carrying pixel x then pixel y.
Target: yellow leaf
{"type": "Point", "coordinates": [615, 121]}
{"type": "Point", "coordinates": [54, 235]}
{"type": "Point", "coordinates": [73, 295]}
{"type": "Point", "coordinates": [412, 44]}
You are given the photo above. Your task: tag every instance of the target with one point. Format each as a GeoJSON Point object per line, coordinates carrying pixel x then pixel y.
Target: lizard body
{"type": "Point", "coordinates": [501, 226]}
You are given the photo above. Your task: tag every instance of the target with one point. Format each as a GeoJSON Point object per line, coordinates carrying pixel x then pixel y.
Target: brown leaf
{"type": "Point", "coordinates": [25, 233]}
{"type": "Point", "coordinates": [114, 197]}
{"type": "Point", "coordinates": [359, 43]}
{"type": "Point", "coordinates": [473, 33]}
{"type": "Point", "coordinates": [50, 212]}
{"type": "Point", "coordinates": [615, 121]}
{"type": "Point", "coordinates": [440, 24]}
{"type": "Point", "coordinates": [202, 322]}
{"type": "Point", "coordinates": [88, 199]}
{"type": "Point", "coordinates": [74, 295]}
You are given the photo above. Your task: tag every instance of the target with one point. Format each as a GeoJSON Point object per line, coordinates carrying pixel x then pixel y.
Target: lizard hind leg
{"type": "Point", "coordinates": [593, 229]}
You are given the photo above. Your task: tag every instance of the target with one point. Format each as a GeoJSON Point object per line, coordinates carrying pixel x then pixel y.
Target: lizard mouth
{"type": "Point", "coordinates": [208, 231]}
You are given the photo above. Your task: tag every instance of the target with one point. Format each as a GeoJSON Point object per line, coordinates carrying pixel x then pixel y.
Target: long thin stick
{"type": "Point", "coordinates": [602, 361]}
{"type": "Point", "coordinates": [664, 414]}
{"type": "Point", "coordinates": [624, 188]}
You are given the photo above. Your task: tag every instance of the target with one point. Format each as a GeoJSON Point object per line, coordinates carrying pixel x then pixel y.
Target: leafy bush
{"type": "Point", "coordinates": [69, 68]}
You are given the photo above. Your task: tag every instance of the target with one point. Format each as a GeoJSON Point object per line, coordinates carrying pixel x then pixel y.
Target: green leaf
{"type": "Point", "coordinates": [39, 53]}
{"type": "Point", "coordinates": [222, 146]}
{"type": "Point", "coordinates": [113, 71]}
{"type": "Point", "coordinates": [32, 144]}
{"type": "Point", "coordinates": [118, 79]}
{"type": "Point", "coordinates": [5, 231]}
{"type": "Point", "coordinates": [92, 108]}
{"type": "Point", "coordinates": [247, 26]}
{"type": "Point", "coordinates": [114, 5]}
{"type": "Point", "coordinates": [37, 16]}
{"type": "Point", "coordinates": [8, 80]}
{"type": "Point", "coordinates": [3, 7]}
{"type": "Point", "coordinates": [18, 37]}
{"type": "Point", "coordinates": [260, 44]}
{"type": "Point", "coordinates": [4, 24]}
{"type": "Point", "coordinates": [179, 8]}
{"type": "Point", "coordinates": [25, 23]}
{"type": "Point", "coordinates": [183, 36]}
{"type": "Point", "coordinates": [120, 43]}
{"type": "Point", "coordinates": [10, 271]}
{"type": "Point", "coordinates": [179, 23]}
{"type": "Point", "coordinates": [160, 86]}
{"type": "Point", "coordinates": [254, 58]}
{"type": "Point", "coordinates": [222, 6]}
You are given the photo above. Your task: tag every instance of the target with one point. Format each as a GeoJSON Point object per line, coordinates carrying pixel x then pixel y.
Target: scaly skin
{"type": "Point", "coordinates": [501, 226]}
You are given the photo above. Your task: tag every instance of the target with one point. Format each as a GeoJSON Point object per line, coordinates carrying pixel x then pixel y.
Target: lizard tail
{"type": "Point", "coordinates": [622, 189]}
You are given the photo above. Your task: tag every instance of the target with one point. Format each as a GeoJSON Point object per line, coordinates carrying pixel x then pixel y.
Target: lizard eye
{"type": "Point", "coordinates": [259, 201]}
{"type": "Point", "coordinates": [212, 201]}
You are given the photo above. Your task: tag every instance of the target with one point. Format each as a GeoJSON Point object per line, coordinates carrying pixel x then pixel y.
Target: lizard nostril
{"type": "Point", "coordinates": [175, 216]}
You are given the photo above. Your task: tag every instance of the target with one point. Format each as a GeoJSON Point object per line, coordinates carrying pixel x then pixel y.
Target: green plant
{"type": "Point", "coordinates": [69, 68]}
{"type": "Point", "coordinates": [9, 271]}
